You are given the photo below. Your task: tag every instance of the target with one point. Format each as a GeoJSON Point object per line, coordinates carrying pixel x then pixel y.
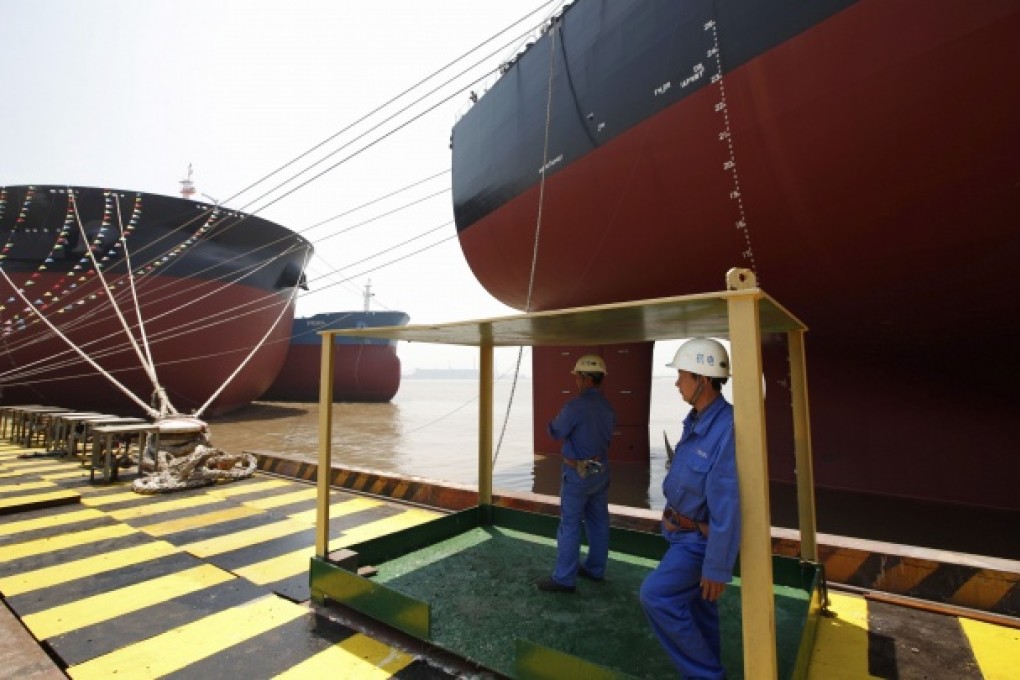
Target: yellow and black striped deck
{"type": "Point", "coordinates": [214, 582]}
{"type": "Point", "coordinates": [191, 584]}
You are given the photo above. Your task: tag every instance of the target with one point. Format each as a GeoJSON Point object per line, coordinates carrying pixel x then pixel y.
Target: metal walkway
{"type": "Point", "coordinates": [213, 582]}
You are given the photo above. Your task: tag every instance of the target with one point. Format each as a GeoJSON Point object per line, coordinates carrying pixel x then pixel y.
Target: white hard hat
{"type": "Point", "coordinates": [590, 363]}
{"type": "Point", "coordinates": [702, 356]}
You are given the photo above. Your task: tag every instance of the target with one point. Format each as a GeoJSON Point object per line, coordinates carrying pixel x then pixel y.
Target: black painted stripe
{"type": "Point", "coordinates": [87, 585]}
{"type": "Point", "coordinates": [85, 643]}
{"type": "Point", "coordinates": [203, 533]}
{"type": "Point", "coordinates": [899, 645]}
{"type": "Point", "coordinates": [266, 550]}
{"type": "Point", "coordinates": [57, 530]}
{"type": "Point", "coordinates": [271, 652]}
{"type": "Point", "coordinates": [158, 516]}
{"type": "Point", "coordinates": [63, 555]}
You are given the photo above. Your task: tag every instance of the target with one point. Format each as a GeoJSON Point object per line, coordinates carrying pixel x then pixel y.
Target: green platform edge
{"type": "Point", "coordinates": [330, 582]}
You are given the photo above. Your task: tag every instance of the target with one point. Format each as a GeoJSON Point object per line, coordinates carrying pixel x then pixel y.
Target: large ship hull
{"type": "Point", "coordinates": [861, 157]}
{"type": "Point", "coordinates": [364, 370]}
{"type": "Point", "coordinates": [210, 285]}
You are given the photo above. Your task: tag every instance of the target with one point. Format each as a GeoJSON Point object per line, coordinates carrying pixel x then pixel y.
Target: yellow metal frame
{"type": "Point", "coordinates": [741, 313]}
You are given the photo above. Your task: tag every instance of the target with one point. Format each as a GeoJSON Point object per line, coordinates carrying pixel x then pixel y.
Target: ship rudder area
{"type": "Point", "coordinates": [627, 386]}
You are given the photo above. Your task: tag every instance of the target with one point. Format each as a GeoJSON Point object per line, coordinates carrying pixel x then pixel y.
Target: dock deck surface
{"type": "Point", "coordinates": [213, 582]}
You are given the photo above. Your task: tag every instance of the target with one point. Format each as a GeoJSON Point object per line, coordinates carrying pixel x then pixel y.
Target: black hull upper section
{"type": "Point", "coordinates": [615, 63]}
{"type": "Point", "coordinates": [39, 227]}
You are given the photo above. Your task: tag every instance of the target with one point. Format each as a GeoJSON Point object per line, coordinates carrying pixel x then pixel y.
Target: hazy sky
{"type": "Point", "coordinates": [127, 93]}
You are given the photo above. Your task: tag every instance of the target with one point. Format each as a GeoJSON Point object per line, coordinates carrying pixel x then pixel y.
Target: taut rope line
{"type": "Point", "coordinates": [538, 227]}
{"type": "Point", "coordinates": [149, 370]}
{"type": "Point", "coordinates": [164, 400]}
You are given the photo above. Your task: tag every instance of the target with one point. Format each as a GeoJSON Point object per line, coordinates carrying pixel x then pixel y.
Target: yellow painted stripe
{"type": "Point", "coordinates": [841, 644]}
{"type": "Point", "coordinates": [408, 518]}
{"type": "Point", "coordinates": [49, 466]}
{"type": "Point", "coordinates": [34, 465]}
{"type": "Point", "coordinates": [69, 540]}
{"type": "Point", "coordinates": [97, 564]}
{"type": "Point", "coordinates": [66, 474]}
{"type": "Point", "coordinates": [982, 587]}
{"type": "Point", "coordinates": [163, 504]}
{"type": "Point", "coordinates": [242, 539]}
{"type": "Point", "coordinates": [204, 520]}
{"type": "Point", "coordinates": [100, 499]}
{"type": "Point", "coordinates": [16, 501]}
{"type": "Point", "coordinates": [283, 499]}
{"type": "Point", "coordinates": [295, 562]}
{"type": "Point", "coordinates": [339, 509]}
{"type": "Point", "coordinates": [25, 486]}
{"type": "Point", "coordinates": [996, 648]}
{"type": "Point", "coordinates": [358, 656]}
{"type": "Point", "coordinates": [180, 647]}
{"type": "Point", "coordinates": [229, 490]}
{"type": "Point", "coordinates": [60, 519]}
{"type": "Point", "coordinates": [28, 464]}
{"type": "Point", "coordinates": [109, 605]}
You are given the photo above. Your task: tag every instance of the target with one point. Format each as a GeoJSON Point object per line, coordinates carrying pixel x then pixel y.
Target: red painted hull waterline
{"type": "Point", "coordinates": [862, 158]}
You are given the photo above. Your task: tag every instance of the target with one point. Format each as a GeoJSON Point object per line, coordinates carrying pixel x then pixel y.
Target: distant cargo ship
{"type": "Point", "coordinates": [444, 374]}
{"type": "Point", "coordinates": [210, 283]}
{"type": "Point", "coordinates": [364, 370]}
{"type": "Point", "coordinates": [862, 157]}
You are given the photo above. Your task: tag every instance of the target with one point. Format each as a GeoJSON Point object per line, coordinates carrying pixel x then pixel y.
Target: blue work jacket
{"type": "Point", "coordinates": [585, 424]}
{"type": "Point", "coordinates": [702, 484]}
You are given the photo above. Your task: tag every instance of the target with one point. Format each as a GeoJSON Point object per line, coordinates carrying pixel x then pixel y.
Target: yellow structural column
{"type": "Point", "coordinates": [325, 467]}
{"type": "Point", "coordinates": [757, 602]}
{"type": "Point", "coordinates": [485, 402]}
{"type": "Point", "coordinates": [802, 447]}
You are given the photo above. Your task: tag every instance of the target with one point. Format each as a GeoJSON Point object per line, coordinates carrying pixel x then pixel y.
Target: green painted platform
{"type": "Point", "coordinates": [466, 583]}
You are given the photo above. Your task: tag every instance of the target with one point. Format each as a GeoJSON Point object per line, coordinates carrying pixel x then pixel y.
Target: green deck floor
{"type": "Point", "coordinates": [479, 585]}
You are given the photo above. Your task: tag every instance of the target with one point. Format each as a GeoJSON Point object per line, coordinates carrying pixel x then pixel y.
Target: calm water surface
{"type": "Point", "coordinates": [431, 430]}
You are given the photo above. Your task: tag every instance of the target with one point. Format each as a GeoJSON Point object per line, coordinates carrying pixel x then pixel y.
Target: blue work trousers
{"type": "Point", "coordinates": [582, 501]}
{"type": "Point", "coordinates": [687, 625]}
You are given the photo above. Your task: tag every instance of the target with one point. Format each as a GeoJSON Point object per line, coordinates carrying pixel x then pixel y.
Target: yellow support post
{"type": "Point", "coordinates": [802, 447]}
{"type": "Point", "coordinates": [757, 602]}
{"type": "Point", "coordinates": [485, 402]}
{"type": "Point", "coordinates": [324, 471]}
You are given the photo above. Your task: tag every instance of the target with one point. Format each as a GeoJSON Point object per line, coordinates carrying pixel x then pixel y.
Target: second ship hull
{"type": "Point", "coordinates": [364, 370]}
{"type": "Point", "coordinates": [861, 157]}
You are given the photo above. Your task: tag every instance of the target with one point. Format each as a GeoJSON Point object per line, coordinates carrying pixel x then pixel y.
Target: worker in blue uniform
{"type": "Point", "coordinates": [701, 520]}
{"type": "Point", "coordinates": [585, 425]}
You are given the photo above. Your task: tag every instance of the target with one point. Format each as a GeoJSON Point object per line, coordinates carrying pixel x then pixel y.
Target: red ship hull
{"type": "Point", "coordinates": [875, 192]}
{"type": "Point", "coordinates": [195, 347]}
{"type": "Point", "coordinates": [361, 373]}
{"type": "Point", "coordinates": [364, 370]}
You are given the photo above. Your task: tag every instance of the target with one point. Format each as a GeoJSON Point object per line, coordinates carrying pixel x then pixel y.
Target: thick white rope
{"type": "Point", "coordinates": [42, 317]}
{"type": "Point", "coordinates": [149, 371]}
{"type": "Point", "coordinates": [165, 406]}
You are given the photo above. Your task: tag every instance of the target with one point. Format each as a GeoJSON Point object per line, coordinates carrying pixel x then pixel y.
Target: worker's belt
{"type": "Point", "coordinates": [683, 522]}
{"type": "Point", "coordinates": [585, 468]}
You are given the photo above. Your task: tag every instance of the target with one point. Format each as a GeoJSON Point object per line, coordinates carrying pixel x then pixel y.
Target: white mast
{"type": "Point", "coordinates": [187, 186]}
{"type": "Point", "coordinates": [368, 293]}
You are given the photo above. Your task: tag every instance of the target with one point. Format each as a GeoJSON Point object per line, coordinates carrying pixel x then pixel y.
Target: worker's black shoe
{"type": "Point", "coordinates": [550, 586]}
{"type": "Point", "coordinates": [584, 573]}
